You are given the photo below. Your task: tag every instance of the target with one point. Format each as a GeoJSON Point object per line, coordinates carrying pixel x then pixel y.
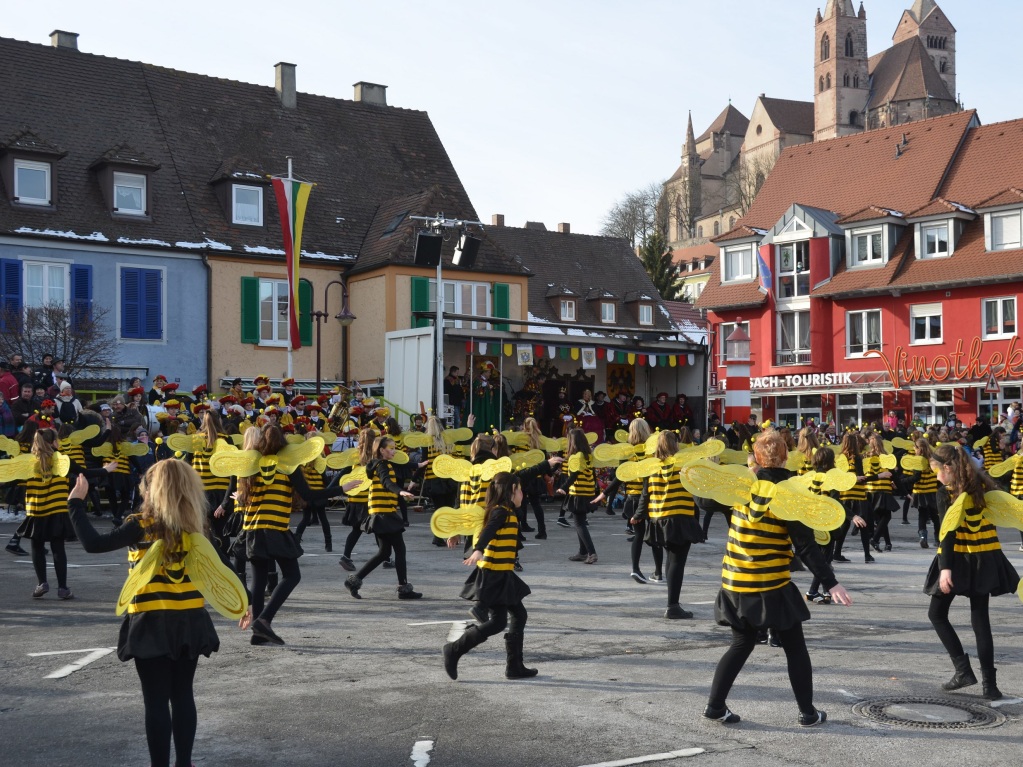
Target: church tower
{"type": "Point", "coordinates": [928, 22]}
{"type": "Point", "coordinates": [841, 84]}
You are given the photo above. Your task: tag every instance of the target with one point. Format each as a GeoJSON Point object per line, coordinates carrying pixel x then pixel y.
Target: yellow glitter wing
{"type": "Point", "coordinates": [60, 465]}
{"type": "Point", "coordinates": [889, 446]}
{"type": "Point", "coordinates": [9, 446]}
{"type": "Point", "coordinates": [517, 439]}
{"type": "Point", "coordinates": [20, 467]}
{"type": "Point", "coordinates": [795, 461]}
{"type": "Point", "coordinates": [417, 439]}
{"type": "Point", "coordinates": [214, 580]}
{"type": "Point", "coordinates": [291, 457]}
{"type": "Point", "coordinates": [447, 522]}
{"type": "Point", "coordinates": [708, 449]}
{"type": "Point", "coordinates": [577, 462]}
{"type": "Point", "coordinates": [902, 443]}
{"type": "Point", "coordinates": [186, 443]}
{"type": "Point", "coordinates": [981, 442]}
{"type": "Point", "coordinates": [887, 461]}
{"type": "Point", "coordinates": [954, 516]}
{"type": "Point", "coordinates": [1006, 466]}
{"type": "Point", "coordinates": [631, 471]}
{"type": "Point", "coordinates": [621, 435]}
{"type": "Point", "coordinates": [562, 443]}
{"type": "Point", "coordinates": [359, 472]}
{"type": "Point", "coordinates": [913, 463]}
{"type": "Point", "coordinates": [841, 462]}
{"type": "Point", "coordinates": [488, 469]}
{"type": "Point", "coordinates": [106, 450]}
{"type": "Point", "coordinates": [451, 436]}
{"type": "Point", "coordinates": [551, 445]}
{"type": "Point", "coordinates": [822, 537]}
{"type": "Point", "coordinates": [237, 439]}
{"type": "Point", "coordinates": [729, 485]}
{"type": "Point", "coordinates": [651, 444]}
{"type": "Point", "coordinates": [344, 459]}
{"type": "Point", "coordinates": [294, 439]}
{"type": "Point", "coordinates": [607, 452]}
{"type": "Point", "coordinates": [400, 458]}
{"type": "Point", "coordinates": [736, 457]}
{"type": "Point", "coordinates": [836, 479]}
{"type": "Point", "coordinates": [793, 502]}
{"type": "Point", "coordinates": [235, 463]}
{"type": "Point", "coordinates": [527, 459]}
{"type": "Point", "coordinates": [1003, 509]}
{"type": "Point", "coordinates": [132, 448]}
{"type": "Point", "coordinates": [320, 465]}
{"type": "Point", "coordinates": [591, 437]}
{"type": "Point", "coordinates": [449, 467]}
{"type": "Point", "coordinates": [140, 575]}
{"type": "Point", "coordinates": [81, 435]}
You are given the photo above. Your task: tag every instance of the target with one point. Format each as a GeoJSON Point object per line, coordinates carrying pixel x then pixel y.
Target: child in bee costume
{"type": "Point", "coordinates": [167, 626]}
{"type": "Point", "coordinates": [970, 561]}
{"type": "Point", "coordinates": [773, 513]}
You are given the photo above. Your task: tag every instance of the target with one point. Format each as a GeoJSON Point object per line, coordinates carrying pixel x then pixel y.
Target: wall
{"type": "Point", "coordinates": [369, 304]}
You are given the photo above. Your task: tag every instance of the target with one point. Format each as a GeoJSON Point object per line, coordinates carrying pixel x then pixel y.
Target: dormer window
{"type": "Point", "coordinates": [130, 194]}
{"type": "Point", "coordinates": [934, 240]}
{"type": "Point", "coordinates": [607, 311]}
{"type": "Point", "coordinates": [123, 174]}
{"type": "Point", "coordinates": [567, 310]}
{"type": "Point", "coordinates": [247, 205]}
{"type": "Point", "coordinates": [868, 247]}
{"type": "Point", "coordinates": [738, 264]}
{"type": "Point", "coordinates": [646, 314]}
{"type": "Point", "coordinates": [1004, 231]}
{"type": "Point", "coordinates": [32, 182]}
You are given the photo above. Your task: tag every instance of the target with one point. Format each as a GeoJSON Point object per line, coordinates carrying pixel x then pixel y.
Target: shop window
{"type": "Point", "coordinates": [858, 409]}
{"type": "Point", "coordinates": [925, 324]}
{"type": "Point", "coordinates": [863, 332]}
{"type": "Point", "coordinates": [999, 317]}
{"type": "Point", "coordinates": [932, 406]}
{"type": "Point", "coordinates": [794, 411]}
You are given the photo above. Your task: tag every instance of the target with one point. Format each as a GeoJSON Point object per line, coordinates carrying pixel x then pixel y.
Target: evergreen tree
{"type": "Point", "coordinates": [656, 258]}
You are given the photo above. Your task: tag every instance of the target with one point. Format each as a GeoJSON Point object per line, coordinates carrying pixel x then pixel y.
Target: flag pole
{"type": "Point", "coordinates": [290, 297]}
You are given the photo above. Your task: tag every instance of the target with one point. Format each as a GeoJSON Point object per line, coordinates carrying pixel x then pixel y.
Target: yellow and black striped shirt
{"type": "Point", "coordinates": [583, 483]}
{"type": "Point", "coordinates": [872, 466]}
{"type": "Point", "coordinates": [1016, 481]}
{"type": "Point", "coordinates": [992, 453]}
{"type": "Point", "coordinates": [431, 453]}
{"type": "Point", "coordinates": [499, 552]}
{"type": "Point", "coordinates": [926, 482]}
{"type": "Point", "coordinates": [269, 505]}
{"type": "Point", "coordinates": [758, 555]}
{"type": "Point", "coordinates": [473, 492]}
{"type": "Point", "coordinates": [360, 496]}
{"type": "Point", "coordinates": [807, 465]}
{"type": "Point", "coordinates": [169, 589]}
{"type": "Point", "coordinates": [201, 463]}
{"type": "Point", "coordinates": [382, 500]}
{"type": "Point", "coordinates": [138, 550]}
{"type": "Point", "coordinates": [857, 492]}
{"type": "Point", "coordinates": [75, 452]}
{"type": "Point", "coordinates": [975, 535]}
{"type": "Point", "coordinates": [666, 496]}
{"type": "Point", "coordinates": [45, 496]}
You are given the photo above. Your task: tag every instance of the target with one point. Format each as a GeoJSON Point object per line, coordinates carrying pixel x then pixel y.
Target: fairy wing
{"type": "Point", "coordinates": [60, 465]}
{"type": "Point", "coordinates": [220, 585]}
{"type": "Point", "coordinates": [359, 472]}
{"type": "Point", "coordinates": [9, 446]}
{"type": "Point", "coordinates": [1003, 509]}
{"type": "Point", "coordinates": [18, 468]}
{"type": "Point", "coordinates": [792, 501]}
{"type": "Point", "coordinates": [631, 471]}
{"type": "Point", "coordinates": [447, 522]}
{"type": "Point", "coordinates": [294, 439]}
{"type": "Point", "coordinates": [954, 516]}
{"type": "Point", "coordinates": [621, 435]}
{"type": "Point", "coordinates": [981, 442]}
{"type": "Point", "coordinates": [140, 575]}
{"type": "Point", "coordinates": [591, 437]}
{"type": "Point", "coordinates": [836, 479]}
{"type": "Point", "coordinates": [81, 435]}
{"type": "Point", "coordinates": [889, 446]}
{"type": "Point", "coordinates": [577, 462]}
{"type": "Point", "coordinates": [418, 439]}
{"type": "Point", "coordinates": [400, 458]}
{"type": "Point", "coordinates": [343, 459]}
{"type": "Point", "coordinates": [729, 485]}
{"type": "Point", "coordinates": [708, 449]}
{"type": "Point", "coordinates": [913, 463]}
{"type": "Point", "coordinates": [902, 443]}
{"type": "Point", "coordinates": [488, 469]}
{"type": "Point", "coordinates": [795, 460]}
{"type": "Point", "coordinates": [1006, 466]}
{"type": "Point", "coordinates": [527, 459]}
{"type": "Point", "coordinates": [841, 462]}
{"type": "Point", "coordinates": [607, 452]}
{"type": "Point", "coordinates": [887, 461]}
{"type": "Point", "coordinates": [320, 465]}
{"type": "Point", "coordinates": [517, 439]}
{"type": "Point", "coordinates": [185, 443]}
{"type": "Point", "coordinates": [291, 457]}
{"type": "Point", "coordinates": [235, 463]}
{"type": "Point", "coordinates": [449, 467]}
{"type": "Point", "coordinates": [237, 439]}
{"type": "Point", "coordinates": [651, 444]}
{"type": "Point", "coordinates": [736, 457]}
{"type": "Point", "coordinates": [451, 436]}
{"type": "Point", "coordinates": [106, 450]}
{"type": "Point", "coordinates": [550, 445]}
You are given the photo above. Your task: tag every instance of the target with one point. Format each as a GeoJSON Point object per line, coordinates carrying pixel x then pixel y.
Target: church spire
{"type": "Point", "coordinates": [690, 148]}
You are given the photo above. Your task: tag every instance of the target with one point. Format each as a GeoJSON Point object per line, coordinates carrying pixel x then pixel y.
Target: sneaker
{"type": "Point", "coordinates": [638, 577]}
{"type": "Point", "coordinates": [675, 612]}
{"type": "Point", "coordinates": [887, 547]}
{"type": "Point", "coordinates": [405, 591]}
{"type": "Point", "coordinates": [347, 564]}
{"type": "Point", "coordinates": [41, 590]}
{"type": "Point", "coordinates": [262, 629]}
{"type": "Point", "coordinates": [905, 521]}
{"type": "Point", "coordinates": [541, 536]}
{"type": "Point", "coordinates": [923, 542]}
{"type": "Point", "coordinates": [65, 593]}
{"type": "Point", "coordinates": [577, 558]}
{"type": "Point", "coordinates": [388, 565]}
{"type": "Point", "coordinates": [655, 578]}
{"type": "Point", "coordinates": [812, 720]}
{"type": "Point", "coordinates": [772, 639]}
{"type": "Point", "coordinates": [875, 546]}
{"type": "Point", "coordinates": [16, 549]}
{"type": "Point", "coordinates": [517, 566]}
{"type": "Point", "coordinates": [479, 614]}
{"type": "Point", "coordinates": [825, 598]}
{"type": "Point", "coordinates": [840, 558]}
{"type": "Point", "coordinates": [814, 597]}
{"type": "Point", "coordinates": [591, 559]}
{"type": "Point", "coordinates": [869, 560]}
{"type": "Point", "coordinates": [722, 715]}
{"type": "Point", "coordinates": [562, 522]}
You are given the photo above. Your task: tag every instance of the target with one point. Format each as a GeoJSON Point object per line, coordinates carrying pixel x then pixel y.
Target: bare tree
{"type": "Point", "coordinates": [682, 205]}
{"type": "Point", "coordinates": [637, 215]}
{"type": "Point", "coordinates": [80, 337]}
{"type": "Point", "coordinates": [743, 182]}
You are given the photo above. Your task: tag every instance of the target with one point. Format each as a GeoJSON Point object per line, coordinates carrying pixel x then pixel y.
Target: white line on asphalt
{"type": "Point", "coordinates": [457, 627]}
{"type": "Point", "coordinates": [701, 603]}
{"type": "Point", "coordinates": [1003, 702]}
{"type": "Point", "coordinates": [849, 695]}
{"type": "Point", "coordinates": [650, 758]}
{"type": "Point", "coordinates": [106, 564]}
{"type": "Point", "coordinates": [94, 653]}
{"type": "Point", "coordinates": [421, 753]}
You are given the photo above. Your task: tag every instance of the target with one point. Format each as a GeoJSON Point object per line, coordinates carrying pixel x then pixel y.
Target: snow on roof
{"type": "Point", "coordinates": [95, 236]}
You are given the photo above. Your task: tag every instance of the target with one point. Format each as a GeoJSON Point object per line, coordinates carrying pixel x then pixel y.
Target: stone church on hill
{"type": "Point", "coordinates": [721, 171]}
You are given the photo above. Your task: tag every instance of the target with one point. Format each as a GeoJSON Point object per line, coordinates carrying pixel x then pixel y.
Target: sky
{"type": "Point", "coordinates": [550, 111]}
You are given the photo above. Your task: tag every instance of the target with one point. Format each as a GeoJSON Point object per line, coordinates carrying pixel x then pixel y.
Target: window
{"type": "Point", "coordinates": [699, 231]}
{"type": "Point", "coordinates": [717, 228]}
{"type": "Point", "coordinates": [858, 409]}
{"type": "Point", "coordinates": [646, 314]}
{"type": "Point", "coordinates": [985, 404]}
{"type": "Point", "coordinates": [934, 240]}
{"type": "Point", "coordinates": [932, 406]}
{"type": "Point", "coordinates": [32, 182]}
{"type": "Point", "coordinates": [825, 47]}
{"type": "Point", "coordinates": [46, 284]}
{"type": "Point", "coordinates": [999, 317]}
{"type": "Point", "coordinates": [265, 319]}
{"type": "Point", "coordinates": [845, 79]}
{"type": "Point", "coordinates": [925, 324]}
{"type": "Point", "coordinates": [1005, 231]}
{"type": "Point", "coordinates": [849, 45]}
{"type": "Point", "coordinates": [794, 269]}
{"type": "Point", "coordinates": [247, 205]}
{"type": "Point", "coordinates": [827, 82]}
{"type": "Point", "coordinates": [856, 84]}
{"type": "Point", "coordinates": [462, 298]}
{"type": "Point", "coordinates": [820, 85]}
{"type": "Point", "coordinates": [863, 332]}
{"type": "Point", "coordinates": [724, 330]}
{"type": "Point", "coordinates": [607, 310]}
{"type": "Point", "coordinates": [130, 194]}
{"type": "Point", "coordinates": [793, 338]}
{"type": "Point", "coordinates": [739, 264]}
{"type": "Point", "coordinates": [698, 288]}
{"type": "Point", "coordinates": [793, 411]}
{"type": "Point", "coordinates": [273, 312]}
{"type": "Point", "coordinates": [868, 247]}
{"type": "Point", "coordinates": [731, 222]}
{"type": "Point", "coordinates": [142, 304]}
{"type": "Point", "coordinates": [567, 310]}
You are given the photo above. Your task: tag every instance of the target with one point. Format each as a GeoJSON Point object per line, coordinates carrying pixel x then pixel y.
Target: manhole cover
{"type": "Point", "coordinates": [930, 713]}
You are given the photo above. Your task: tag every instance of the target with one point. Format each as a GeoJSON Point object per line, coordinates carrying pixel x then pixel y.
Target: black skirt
{"type": "Point", "coordinates": [780, 609]}
{"type": "Point", "coordinates": [494, 588]}
{"type": "Point", "coordinates": [630, 506]}
{"type": "Point", "coordinates": [170, 634]}
{"type": "Point", "coordinates": [355, 514]}
{"type": "Point", "coordinates": [52, 527]}
{"type": "Point", "coordinates": [580, 504]}
{"type": "Point", "coordinates": [674, 530]}
{"type": "Point", "coordinates": [272, 544]}
{"type": "Point", "coordinates": [988, 572]}
{"type": "Point", "coordinates": [384, 523]}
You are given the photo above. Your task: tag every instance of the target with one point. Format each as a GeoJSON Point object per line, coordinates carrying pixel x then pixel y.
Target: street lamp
{"type": "Point", "coordinates": [344, 318]}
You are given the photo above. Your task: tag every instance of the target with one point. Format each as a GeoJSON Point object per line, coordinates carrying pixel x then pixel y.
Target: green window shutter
{"type": "Point", "coordinates": [420, 300]}
{"type": "Point", "coordinates": [305, 305]}
{"type": "Point", "coordinates": [502, 301]}
{"type": "Point", "coordinates": [250, 310]}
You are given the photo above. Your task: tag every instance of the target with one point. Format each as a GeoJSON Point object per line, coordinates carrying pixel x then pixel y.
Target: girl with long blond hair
{"type": "Point", "coordinates": [213, 486]}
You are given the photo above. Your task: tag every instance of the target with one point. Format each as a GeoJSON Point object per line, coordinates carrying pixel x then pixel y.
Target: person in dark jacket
{"type": "Point", "coordinates": [8, 427]}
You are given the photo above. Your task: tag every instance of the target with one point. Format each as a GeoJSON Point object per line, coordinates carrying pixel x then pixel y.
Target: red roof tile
{"type": "Point", "coordinates": [870, 213]}
{"type": "Point", "coordinates": [733, 295]}
{"type": "Point", "coordinates": [990, 162]}
{"type": "Point", "coordinates": [1008, 197]}
{"type": "Point", "coordinates": [970, 263]}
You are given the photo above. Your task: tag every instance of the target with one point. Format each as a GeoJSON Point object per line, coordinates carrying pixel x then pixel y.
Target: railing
{"type": "Point", "coordinates": [792, 357]}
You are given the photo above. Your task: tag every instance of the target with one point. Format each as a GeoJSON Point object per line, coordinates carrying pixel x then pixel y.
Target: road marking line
{"type": "Point", "coordinates": [94, 654]}
{"type": "Point", "coordinates": [849, 695]}
{"type": "Point", "coordinates": [421, 753]}
{"type": "Point", "coordinates": [457, 627]}
{"type": "Point", "coordinates": [701, 603]}
{"type": "Point", "coordinates": [106, 564]}
{"type": "Point", "coordinates": [684, 752]}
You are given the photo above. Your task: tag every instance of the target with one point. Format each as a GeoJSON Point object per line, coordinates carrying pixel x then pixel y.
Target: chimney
{"type": "Point", "coordinates": [284, 84]}
{"type": "Point", "coordinates": [61, 39]}
{"type": "Point", "coordinates": [497, 219]}
{"type": "Point", "coordinates": [371, 93]}
{"type": "Point", "coordinates": [565, 228]}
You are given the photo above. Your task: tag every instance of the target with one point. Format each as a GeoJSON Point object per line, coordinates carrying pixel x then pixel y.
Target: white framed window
{"type": "Point", "coordinates": [462, 298]}
{"type": "Point", "coordinates": [1004, 230]}
{"type": "Point", "coordinates": [698, 288]}
{"type": "Point", "coordinates": [867, 247]}
{"type": "Point", "coordinates": [793, 338]}
{"type": "Point", "coordinates": [932, 406]}
{"type": "Point", "coordinates": [858, 409]}
{"type": "Point", "coordinates": [793, 269]}
{"type": "Point", "coordinates": [273, 312]}
{"type": "Point", "coordinates": [246, 205]}
{"type": "Point", "coordinates": [999, 317]}
{"type": "Point", "coordinates": [925, 324]}
{"type": "Point", "coordinates": [738, 264]}
{"type": "Point", "coordinates": [863, 332]}
{"type": "Point", "coordinates": [724, 330]}
{"type": "Point", "coordinates": [607, 311]}
{"type": "Point", "coordinates": [794, 410]}
{"type": "Point", "coordinates": [567, 310]}
{"type": "Point", "coordinates": [934, 241]}
{"type": "Point", "coordinates": [32, 182]}
{"type": "Point", "coordinates": [130, 194]}
{"type": "Point", "coordinates": [646, 314]}
{"type": "Point", "coordinates": [46, 283]}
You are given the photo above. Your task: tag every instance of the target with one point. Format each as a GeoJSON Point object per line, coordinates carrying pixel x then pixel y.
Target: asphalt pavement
{"type": "Point", "coordinates": [362, 682]}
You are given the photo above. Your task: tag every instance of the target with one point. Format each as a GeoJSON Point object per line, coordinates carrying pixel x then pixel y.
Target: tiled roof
{"type": "Point", "coordinates": [905, 72]}
{"type": "Point", "coordinates": [870, 213]}
{"type": "Point", "coordinates": [741, 232]}
{"type": "Point", "coordinates": [969, 264]}
{"type": "Point", "coordinates": [734, 295]}
{"type": "Point", "coordinates": [1008, 197]}
{"type": "Point", "coordinates": [27, 141]}
{"type": "Point", "coordinates": [697, 253]}
{"type": "Point", "coordinates": [790, 116]}
{"type": "Point", "coordinates": [731, 120]}
{"type": "Point", "coordinates": [868, 279]}
{"type": "Point", "coordinates": [989, 162]}
{"type": "Point", "coordinates": [938, 207]}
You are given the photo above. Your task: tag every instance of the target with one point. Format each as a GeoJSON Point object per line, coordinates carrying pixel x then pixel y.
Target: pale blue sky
{"type": "Point", "coordinates": [550, 110]}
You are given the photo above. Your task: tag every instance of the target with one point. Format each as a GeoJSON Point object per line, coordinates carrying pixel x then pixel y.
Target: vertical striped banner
{"type": "Point", "coordinates": [292, 199]}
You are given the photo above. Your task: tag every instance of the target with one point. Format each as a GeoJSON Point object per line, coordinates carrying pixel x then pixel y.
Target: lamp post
{"type": "Point", "coordinates": [738, 403]}
{"type": "Point", "coordinates": [344, 318]}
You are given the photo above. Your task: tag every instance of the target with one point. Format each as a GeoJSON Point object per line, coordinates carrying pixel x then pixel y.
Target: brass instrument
{"type": "Point", "coordinates": [339, 412]}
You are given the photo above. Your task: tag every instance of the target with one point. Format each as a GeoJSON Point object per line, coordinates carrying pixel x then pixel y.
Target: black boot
{"type": "Point", "coordinates": [991, 691]}
{"type": "Point", "coordinates": [455, 650]}
{"type": "Point", "coordinates": [963, 676]}
{"type": "Point", "coordinates": [515, 668]}
{"type": "Point", "coordinates": [328, 544]}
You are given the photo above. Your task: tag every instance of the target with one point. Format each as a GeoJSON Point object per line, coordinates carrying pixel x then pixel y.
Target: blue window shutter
{"type": "Point", "coordinates": [81, 296]}
{"type": "Point", "coordinates": [151, 316]}
{"type": "Point", "coordinates": [10, 293]}
{"type": "Point", "coordinates": [131, 303]}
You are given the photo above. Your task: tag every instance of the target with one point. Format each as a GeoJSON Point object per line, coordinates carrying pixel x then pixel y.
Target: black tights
{"type": "Point", "coordinates": [512, 616]}
{"type": "Point", "coordinates": [928, 514]}
{"type": "Point", "coordinates": [865, 534]}
{"type": "Point", "coordinates": [881, 530]}
{"type": "Point", "coordinates": [313, 513]}
{"type": "Point", "coordinates": [290, 577]}
{"type": "Point", "coordinates": [979, 618]}
{"type": "Point", "coordinates": [387, 542]}
{"type": "Point", "coordinates": [533, 500]}
{"type": "Point", "coordinates": [118, 494]}
{"type": "Point", "coordinates": [743, 642]}
{"type": "Point", "coordinates": [59, 560]}
{"type": "Point", "coordinates": [351, 540]}
{"type": "Point", "coordinates": [639, 530]}
{"type": "Point", "coordinates": [167, 688]}
{"type": "Point", "coordinates": [676, 569]}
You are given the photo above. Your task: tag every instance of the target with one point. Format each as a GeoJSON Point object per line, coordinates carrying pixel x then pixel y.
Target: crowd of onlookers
{"type": "Point", "coordinates": [25, 392]}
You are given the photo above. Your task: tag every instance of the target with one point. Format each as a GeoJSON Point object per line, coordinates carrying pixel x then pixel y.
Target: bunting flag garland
{"type": "Point", "coordinates": [292, 199]}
